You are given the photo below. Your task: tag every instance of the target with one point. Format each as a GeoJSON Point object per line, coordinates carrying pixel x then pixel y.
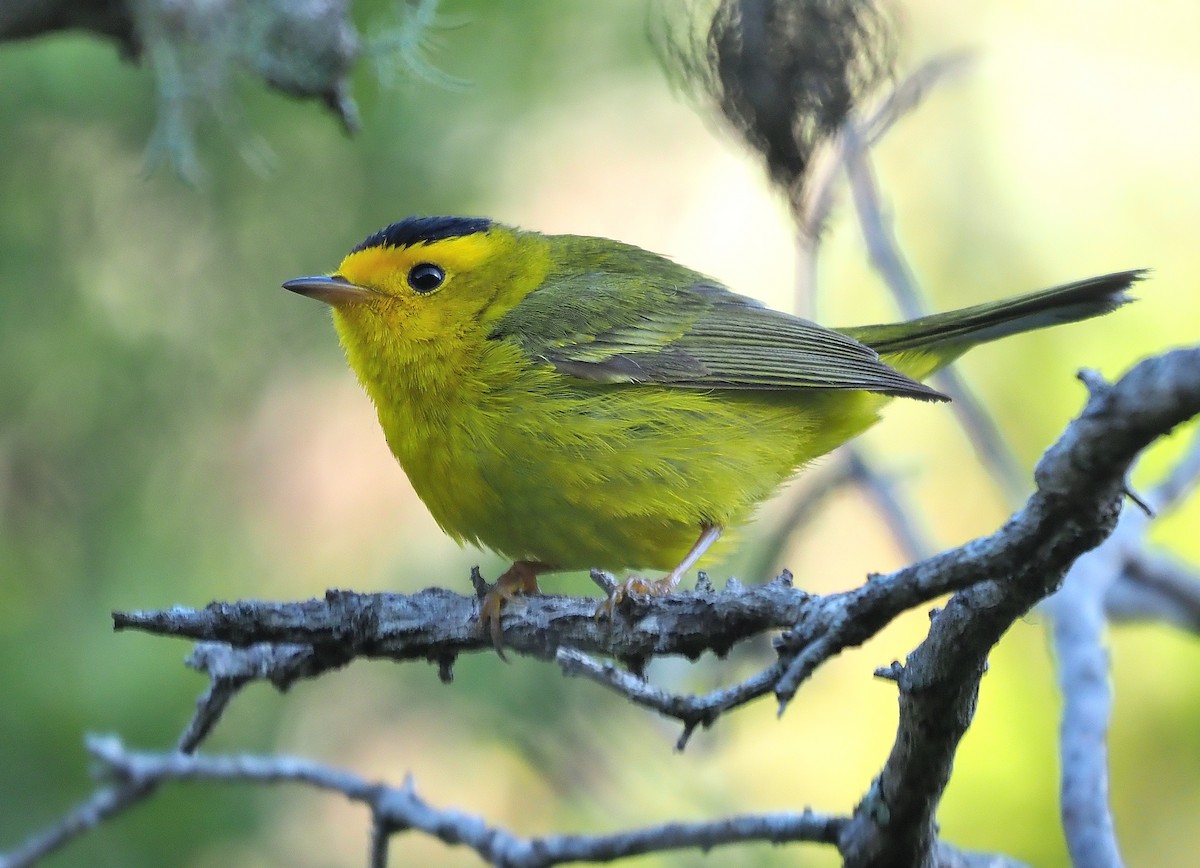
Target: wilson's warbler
{"type": "Point", "coordinates": [575, 402]}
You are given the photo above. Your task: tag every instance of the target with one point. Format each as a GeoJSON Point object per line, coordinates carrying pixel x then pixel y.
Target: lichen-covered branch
{"type": "Point", "coordinates": [196, 50]}
{"type": "Point", "coordinates": [435, 624]}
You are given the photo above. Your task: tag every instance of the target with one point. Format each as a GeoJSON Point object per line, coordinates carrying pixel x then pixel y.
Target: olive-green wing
{"type": "Point", "coordinates": [631, 328]}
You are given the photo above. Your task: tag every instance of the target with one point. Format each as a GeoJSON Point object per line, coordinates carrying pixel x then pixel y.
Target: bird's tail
{"type": "Point", "coordinates": [921, 346]}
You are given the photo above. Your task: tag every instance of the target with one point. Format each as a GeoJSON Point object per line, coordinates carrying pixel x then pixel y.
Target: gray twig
{"type": "Point", "coordinates": [906, 96]}
{"type": "Point", "coordinates": [1120, 578]}
{"type": "Point", "coordinates": [108, 801]}
{"type": "Point", "coordinates": [1078, 628]}
{"type": "Point", "coordinates": [1150, 584]}
{"type": "Point", "coordinates": [306, 638]}
{"type": "Point", "coordinates": [1180, 480]}
{"type": "Point", "coordinates": [401, 808]}
{"type": "Point", "coordinates": [812, 202]}
{"type": "Point", "coordinates": [885, 255]}
{"type": "Point", "coordinates": [879, 486]}
{"type": "Point", "coordinates": [1155, 587]}
{"type": "Point", "coordinates": [692, 710]}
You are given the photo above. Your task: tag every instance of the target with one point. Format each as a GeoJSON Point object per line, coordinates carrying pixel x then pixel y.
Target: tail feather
{"type": "Point", "coordinates": [946, 335]}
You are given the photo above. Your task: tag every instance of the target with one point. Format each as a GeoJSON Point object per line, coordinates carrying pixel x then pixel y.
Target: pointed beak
{"type": "Point", "coordinates": [333, 289]}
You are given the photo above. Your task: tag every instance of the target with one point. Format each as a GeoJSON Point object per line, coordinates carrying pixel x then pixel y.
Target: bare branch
{"type": "Point", "coordinates": [25, 19]}
{"type": "Point", "coordinates": [1080, 483]}
{"type": "Point", "coordinates": [1180, 481]}
{"type": "Point", "coordinates": [436, 623]}
{"type": "Point", "coordinates": [881, 489]}
{"type": "Point", "coordinates": [1119, 578]}
{"type": "Point", "coordinates": [1151, 585]}
{"type": "Point", "coordinates": [400, 809]}
{"type": "Point", "coordinates": [196, 50]}
{"type": "Point", "coordinates": [1078, 629]}
{"type": "Point", "coordinates": [1158, 587]}
{"type": "Point", "coordinates": [882, 247]}
{"type": "Point", "coordinates": [812, 209]}
{"type": "Point", "coordinates": [108, 801]}
{"type": "Point", "coordinates": [692, 710]}
{"type": "Point", "coordinates": [812, 202]}
{"type": "Point", "coordinates": [317, 635]}
{"type": "Point", "coordinates": [381, 837]}
{"type": "Point", "coordinates": [908, 95]}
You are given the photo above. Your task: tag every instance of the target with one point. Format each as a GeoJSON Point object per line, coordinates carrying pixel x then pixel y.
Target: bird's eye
{"type": "Point", "coordinates": [425, 277]}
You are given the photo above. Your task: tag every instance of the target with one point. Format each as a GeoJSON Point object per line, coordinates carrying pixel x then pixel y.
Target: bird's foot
{"type": "Point", "coordinates": [520, 578]}
{"type": "Point", "coordinates": [636, 586]}
{"type": "Point", "coordinates": [639, 586]}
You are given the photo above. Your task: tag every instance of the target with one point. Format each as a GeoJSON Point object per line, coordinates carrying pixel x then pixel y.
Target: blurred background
{"type": "Point", "coordinates": [175, 428]}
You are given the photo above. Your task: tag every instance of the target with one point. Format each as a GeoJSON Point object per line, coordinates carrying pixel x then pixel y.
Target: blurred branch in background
{"type": "Point", "coordinates": [789, 78]}
{"type": "Point", "coordinates": [884, 252]}
{"type": "Point", "coordinates": [811, 199]}
{"type": "Point", "coordinates": [194, 49]}
{"type": "Point", "coordinates": [113, 799]}
{"type": "Point", "coordinates": [812, 203]}
{"type": "Point", "coordinates": [1080, 610]}
{"type": "Point", "coordinates": [1153, 585]}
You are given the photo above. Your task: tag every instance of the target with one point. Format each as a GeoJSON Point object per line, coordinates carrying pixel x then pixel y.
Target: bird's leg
{"type": "Point", "coordinates": [709, 534]}
{"type": "Point", "coordinates": [520, 578]}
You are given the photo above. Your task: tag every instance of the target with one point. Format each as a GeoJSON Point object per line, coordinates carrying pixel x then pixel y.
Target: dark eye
{"type": "Point", "coordinates": [425, 277]}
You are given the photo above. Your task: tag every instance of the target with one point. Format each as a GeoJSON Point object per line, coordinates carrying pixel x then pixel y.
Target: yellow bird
{"type": "Point", "coordinates": [574, 402]}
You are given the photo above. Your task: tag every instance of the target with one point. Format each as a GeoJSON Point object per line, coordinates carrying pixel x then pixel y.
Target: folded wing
{"type": "Point", "coordinates": [625, 328]}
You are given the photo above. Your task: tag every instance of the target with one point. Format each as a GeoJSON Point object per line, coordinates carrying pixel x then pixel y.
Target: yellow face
{"type": "Point", "coordinates": [434, 290]}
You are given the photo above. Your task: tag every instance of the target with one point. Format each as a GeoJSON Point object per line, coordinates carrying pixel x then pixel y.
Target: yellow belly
{"type": "Point", "coordinates": [540, 466]}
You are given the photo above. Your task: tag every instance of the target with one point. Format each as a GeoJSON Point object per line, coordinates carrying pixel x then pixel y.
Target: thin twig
{"type": "Point", "coordinates": [110, 800]}
{"type": "Point", "coordinates": [908, 95]}
{"type": "Point", "coordinates": [812, 208]}
{"type": "Point", "coordinates": [885, 255]}
{"type": "Point", "coordinates": [1180, 480]}
{"type": "Point", "coordinates": [881, 489]}
{"type": "Point", "coordinates": [691, 710]}
{"type": "Point", "coordinates": [381, 838]}
{"type": "Point", "coordinates": [401, 808]}
{"type": "Point", "coordinates": [1149, 584]}
{"type": "Point", "coordinates": [1155, 587]}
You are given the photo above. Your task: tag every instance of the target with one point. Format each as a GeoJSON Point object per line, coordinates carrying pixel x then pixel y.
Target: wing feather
{"type": "Point", "coordinates": [653, 327]}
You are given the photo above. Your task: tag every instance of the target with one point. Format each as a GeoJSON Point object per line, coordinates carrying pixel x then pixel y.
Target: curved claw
{"type": "Point", "coordinates": [635, 586]}
{"type": "Point", "coordinates": [520, 578]}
